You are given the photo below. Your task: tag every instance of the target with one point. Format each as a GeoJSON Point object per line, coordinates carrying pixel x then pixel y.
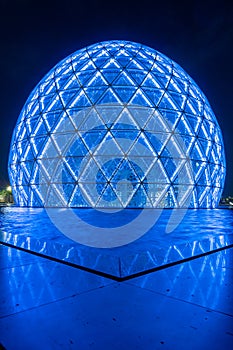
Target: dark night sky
{"type": "Point", "coordinates": [35, 35]}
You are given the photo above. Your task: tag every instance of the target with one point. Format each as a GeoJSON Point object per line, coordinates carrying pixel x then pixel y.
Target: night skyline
{"type": "Point", "coordinates": [198, 37]}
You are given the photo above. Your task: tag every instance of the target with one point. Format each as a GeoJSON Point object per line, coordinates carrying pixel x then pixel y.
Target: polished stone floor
{"type": "Point", "coordinates": [199, 231]}
{"type": "Point", "coordinates": [48, 305]}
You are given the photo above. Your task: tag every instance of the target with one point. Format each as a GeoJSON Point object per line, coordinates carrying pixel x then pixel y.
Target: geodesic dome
{"type": "Point", "coordinates": [116, 125]}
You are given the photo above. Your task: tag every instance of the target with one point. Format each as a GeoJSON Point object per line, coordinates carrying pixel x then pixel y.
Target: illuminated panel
{"type": "Point", "coordinates": [117, 125]}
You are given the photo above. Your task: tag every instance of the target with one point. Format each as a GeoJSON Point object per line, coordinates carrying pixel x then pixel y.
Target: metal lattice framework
{"type": "Point", "coordinates": [117, 124]}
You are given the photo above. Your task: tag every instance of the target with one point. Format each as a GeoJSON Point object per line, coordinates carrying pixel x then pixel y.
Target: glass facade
{"type": "Point", "coordinates": [117, 125]}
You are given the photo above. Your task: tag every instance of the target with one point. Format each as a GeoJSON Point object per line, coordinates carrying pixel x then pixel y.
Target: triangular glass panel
{"type": "Point", "coordinates": [89, 172]}
{"type": "Point", "coordinates": [157, 141]}
{"type": "Point", "coordinates": [72, 83]}
{"type": "Point", "coordinates": [140, 99]}
{"type": "Point", "coordinates": [134, 65]}
{"type": "Point", "coordinates": [67, 190]}
{"type": "Point", "coordinates": [183, 194]}
{"type": "Point", "coordinates": [153, 94]}
{"type": "Point", "coordinates": [110, 76]}
{"type": "Point", "coordinates": [98, 80]}
{"type": "Point", "coordinates": [109, 165]}
{"type": "Point", "coordinates": [157, 124]}
{"type": "Point", "coordinates": [51, 119]}
{"type": "Point", "coordinates": [47, 86]}
{"type": "Point", "coordinates": [125, 121]}
{"type": "Point", "coordinates": [167, 103]}
{"type": "Point", "coordinates": [203, 133]}
{"type": "Point", "coordinates": [123, 80]}
{"type": "Point", "coordinates": [185, 174]}
{"type": "Point", "coordinates": [173, 86]}
{"type": "Point", "coordinates": [182, 84]}
{"type": "Point", "coordinates": [150, 82]}
{"type": "Point", "coordinates": [179, 99]}
{"type": "Point", "coordinates": [196, 152]}
{"type": "Point", "coordinates": [89, 193]}
{"type": "Point", "coordinates": [88, 66]}
{"type": "Point", "coordinates": [75, 165]}
{"type": "Point", "coordinates": [112, 65]}
{"type": "Point", "coordinates": [40, 128]}
{"type": "Point", "coordinates": [77, 199]}
{"type": "Point", "coordinates": [61, 80]}
{"type": "Point", "coordinates": [137, 75]}
{"type": "Point", "coordinates": [146, 64]}
{"type": "Point", "coordinates": [92, 121]}
{"type": "Point", "coordinates": [39, 144]}
{"type": "Point", "coordinates": [162, 79]}
{"type": "Point", "coordinates": [63, 141]}
{"type": "Point", "coordinates": [55, 104]}
{"type": "Point", "coordinates": [186, 142]}
{"type": "Point", "coordinates": [94, 94]}
{"type": "Point", "coordinates": [209, 127]}
{"type": "Point", "coordinates": [29, 165]}
{"type": "Point", "coordinates": [109, 113]}
{"type": "Point", "coordinates": [169, 166]}
{"type": "Point", "coordinates": [157, 173]}
{"type": "Point", "coordinates": [183, 127]}
{"type": "Point", "coordinates": [126, 192]}
{"type": "Point", "coordinates": [29, 154]}
{"type": "Point", "coordinates": [158, 195]}
{"type": "Point", "coordinates": [109, 198]}
{"type": "Point", "coordinates": [83, 77]}
{"type": "Point", "coordinates": [67, 95]}
{"type": "Point", "coordinates": [77, 147]}
{"type": "Point", "coordinates": [31, 124]}
{"type": "Point", "coordinates": [189, 108]}
{"type": "Point", "coordinates": [106, 148]}
{"type": "Point", "coordinates": [125, 140]}
{"type": "Point", "coordinates": [140, 114]}
{"type": "Point", "coordinates": [122, 58]}
{"type": "Point", "coordinates": [171, 117]}
{"type": "Point", "coordinates": [36, 200]}
{"type": "Point", "coordinates": [109, 97]}
{"type": "Point", "coordinates": [100, 61]}
{"type": "Point", "coordinates": [80, 100]}
{"type": "Point", "coordinates": [64, 124]}
{"type": "Point", "coordinates": [204, 178]}
{"type": "Point", "coordinates": [206, 147]}
{"type": "Point", "coordinates": [176, 147]}
{"type": "Point", "coordinates": [125, 172]}
{"type": "Point", "coordinates": [141, 165]}
{"type": "Point", "coordinates": [54, 198]}
{"type": "Point", "coordinates": [49, 165]}
{"type": "Point", "coordinates": [93, 139]}
{"type": "Point", "coordinates": [49, 151]}
{"type": "Point", "coordinates": [45, 101]}
{"type": "Point", "coordinates": [125, 93]}
{"type": "Point", "coordinates": [194, 122]}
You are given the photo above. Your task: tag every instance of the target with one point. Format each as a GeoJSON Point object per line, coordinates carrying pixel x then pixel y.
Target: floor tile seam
{"type": "Point", "coordinates": [114, 277]}
{"type": "Point", "coordinates": [182, 300]}
{"type": "Point", "coordinates": [67, 263]}
{"type": "Point", "coordinates": [58, 300]}
{"type": "Point", "coordinates": [174, 263]}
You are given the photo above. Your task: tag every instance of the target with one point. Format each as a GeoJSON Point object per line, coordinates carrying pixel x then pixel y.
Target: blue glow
{"type": "Point", "coordinates": [117, 124]}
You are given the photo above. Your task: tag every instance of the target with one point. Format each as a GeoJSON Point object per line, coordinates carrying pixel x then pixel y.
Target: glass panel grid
{"type": "Point", "coordinates": [117, 124]}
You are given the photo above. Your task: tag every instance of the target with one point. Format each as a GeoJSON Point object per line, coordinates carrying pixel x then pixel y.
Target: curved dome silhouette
{"type": "Point", "coordinates": [116, 125]}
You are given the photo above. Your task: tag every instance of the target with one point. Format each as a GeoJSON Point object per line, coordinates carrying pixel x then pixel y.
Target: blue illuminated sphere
{"type": "Point", "coordinates": [117, 125]}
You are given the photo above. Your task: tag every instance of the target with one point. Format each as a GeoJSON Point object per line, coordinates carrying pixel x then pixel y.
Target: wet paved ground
{"type": "Point", "coordinates": [48, 305]}
{"type": "Point", "coordinates": [198, 232]}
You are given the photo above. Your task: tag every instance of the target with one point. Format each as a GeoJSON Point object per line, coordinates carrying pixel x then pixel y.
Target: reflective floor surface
{"type": "Point", "coordinates": [198, 232]}
{"type": "Point", "coordinates": [48, 305]}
